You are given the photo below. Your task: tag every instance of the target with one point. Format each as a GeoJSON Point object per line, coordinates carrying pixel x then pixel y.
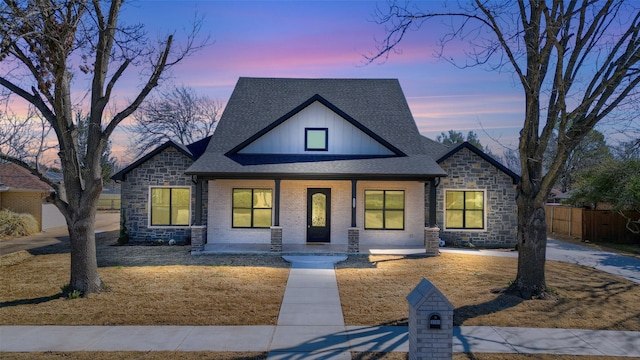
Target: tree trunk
{"type": "Point", "coordinates": [84, 264]}
{"type": "Point", "coordinates": [532, 248]}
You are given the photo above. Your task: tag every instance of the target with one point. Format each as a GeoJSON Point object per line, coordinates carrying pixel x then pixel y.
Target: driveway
{"type": "Point", "coordinates": [105, 221]}
{"type": "Point", "coordinates": [626, 266]}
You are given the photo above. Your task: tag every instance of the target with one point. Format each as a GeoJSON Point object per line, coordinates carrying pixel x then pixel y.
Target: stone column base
{"type": "Point", "coordinates": [432, 241]}
{"type": "Point", "coordinates": [354, 240]}
{"type": "Point", "coordinates": [276, 239]}
{"type": "Point", "coordinates": [198, 238]}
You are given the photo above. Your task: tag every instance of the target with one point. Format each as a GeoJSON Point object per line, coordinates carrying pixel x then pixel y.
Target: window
{"type": "Point", "coordinates": [251, 208]}
{"type": "Point", "coordinates": [170, 206]}
{"type": "Point", "coordinates": [316, 139]}
{"type": "Point", "coordinates": [464, 209]}
{"type": "Point", "coordinates": [384, 209]}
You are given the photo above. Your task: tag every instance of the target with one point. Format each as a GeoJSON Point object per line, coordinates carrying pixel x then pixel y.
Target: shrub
{"type": "Point", "coordinates": [16, 225]}
{"type": "Point", "coordinates": [123, 238]}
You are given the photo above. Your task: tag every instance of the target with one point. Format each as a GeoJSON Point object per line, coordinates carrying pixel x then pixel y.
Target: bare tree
{"type": "Point", "coordinates": [590, 152]}
{"type": "Point", "coordinates": [46, 44]}
{"type": "Point", "coordinates": [511, 159]}
{"type": "Point", "coordinates": [177, 114]}
{"type": "Point", "coordinates": [577, 62]}
{"type": "Point", "coordinates": [25, 137]}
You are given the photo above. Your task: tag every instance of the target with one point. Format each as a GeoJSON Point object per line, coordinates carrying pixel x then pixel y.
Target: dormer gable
{"type": "Point", "coordinates": [316, 127]}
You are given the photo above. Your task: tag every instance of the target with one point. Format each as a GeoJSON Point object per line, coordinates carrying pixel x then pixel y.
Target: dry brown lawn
{"type": "Point", "coordinates": [249, 292]}
{"type": "Point", "coordinates": [136, 355]}
{"type": "Point", "coordinates": [141, 295]}
{"type": "Point", "coordinates": [484, 356]}
{"type": "Point", "coordinates": [157, 355]}
{"type": "Point", "coordinates": [373, 292]}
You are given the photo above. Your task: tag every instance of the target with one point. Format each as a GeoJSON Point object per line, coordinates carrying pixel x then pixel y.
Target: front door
{"type": "Point", "coordinates": [319, 215]}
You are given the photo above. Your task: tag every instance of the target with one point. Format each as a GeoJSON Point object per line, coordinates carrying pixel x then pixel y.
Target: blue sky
{"type": "Point", "coordinates": [315, 39]}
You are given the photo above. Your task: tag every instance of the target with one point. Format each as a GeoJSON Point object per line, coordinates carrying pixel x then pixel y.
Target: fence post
{"type": "Point", "coordinates": [570, 220]}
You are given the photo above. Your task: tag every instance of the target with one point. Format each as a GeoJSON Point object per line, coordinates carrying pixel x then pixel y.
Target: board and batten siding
{"type": "Point", "coordinates": [289, 137]}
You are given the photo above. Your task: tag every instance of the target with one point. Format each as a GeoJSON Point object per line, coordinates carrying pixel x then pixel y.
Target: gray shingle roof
{"type": "Point", "coordinates": [435, 149]}
{"type": "Point", "coordinates": [378, 105]}
{"type": "Point", "coordinates": [193, 151]}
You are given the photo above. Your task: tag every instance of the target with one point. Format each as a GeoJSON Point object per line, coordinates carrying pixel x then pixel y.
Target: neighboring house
{"type": "Point", "coordinates": [157, 198]}
{"type": "Point", "coordinates": [295, 162]}
{"type": "Point", "coordinates": [556, 196]}
{"type": "Point", "coordinates": [23, 192]}
{"type": "Point", "coordinates": [476, 201]}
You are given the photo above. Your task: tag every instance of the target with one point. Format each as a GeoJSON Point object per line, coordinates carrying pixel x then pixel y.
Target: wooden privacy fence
{"type": "Point", "coordinates": [109, 202]}
{"type": "Point", "coordinates": [592, 225]}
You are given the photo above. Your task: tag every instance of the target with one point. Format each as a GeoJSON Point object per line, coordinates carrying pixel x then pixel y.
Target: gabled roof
{"type": "Point", "coordinates": [302, 106]}
{"type": "Point", "coordinates": [434, 148]}
{"type": "Point", "coordinates": [376, 106]}
{"type": "Point", "coordinates": [192, 151]}
{"type": "Point", "coordinates": [16, 178]}
{"type": "Point", "coordinates": [466, 145]}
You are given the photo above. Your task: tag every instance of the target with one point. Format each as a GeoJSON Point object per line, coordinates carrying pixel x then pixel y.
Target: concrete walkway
{"type": "Point", "coordinates": [311, 326]}
{"type": "Point", "coordinates": [310, 320]}
{"type": "Point", "coordinates": [312, 344]}
{"type": "Point", "coordinates": [105, 221]}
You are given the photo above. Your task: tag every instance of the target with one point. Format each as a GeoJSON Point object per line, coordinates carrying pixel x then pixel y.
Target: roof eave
{"type": "Point", "coordinates": [515, 177]}
{"type": "Point", "coordinates": [120, 175]}
{"type": "Point", "coordinates": [319, 176]}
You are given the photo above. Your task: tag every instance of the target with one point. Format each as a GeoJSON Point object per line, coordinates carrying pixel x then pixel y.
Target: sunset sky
{"type": "Point", "coordinates": [317, 39]}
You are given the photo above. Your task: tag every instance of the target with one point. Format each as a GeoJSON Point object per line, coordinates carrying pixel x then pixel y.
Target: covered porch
{"type": "Point", "coordinates": [286, 233]}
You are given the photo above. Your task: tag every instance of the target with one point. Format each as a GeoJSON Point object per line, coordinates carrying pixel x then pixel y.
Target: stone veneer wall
{"type": "Point", "coordinates": [164, 169]}
{"type": "Point", "coordinates": [469, 171]}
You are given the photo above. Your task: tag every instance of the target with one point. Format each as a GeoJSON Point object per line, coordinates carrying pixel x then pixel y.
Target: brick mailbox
{"type": "Point", "coordinates": [430, 323]}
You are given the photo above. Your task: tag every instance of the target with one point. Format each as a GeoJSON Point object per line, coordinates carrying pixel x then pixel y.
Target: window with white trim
{"type": "Point", "coordinates": [465, 209]}
{"type": "Point", "coordinates": [170, 206]}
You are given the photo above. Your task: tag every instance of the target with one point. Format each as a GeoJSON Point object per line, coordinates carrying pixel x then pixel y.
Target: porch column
{"type": "Point", "coordinates": [432, 203]}
{"type": "Point", "coordinates": [431, 231]}
{"type": "Point", "coordinates": [353, 233]}
{"type": "Point", "coordinates": [276, 229]}
{"type": "Point", "coordinates": [353, 203]}
{"type": "Point", "coordinates": [276, 203]}
{"type": "Point", "coordinates": [198, 212]}
{"type": "Point", "coordinates": [198, 231]}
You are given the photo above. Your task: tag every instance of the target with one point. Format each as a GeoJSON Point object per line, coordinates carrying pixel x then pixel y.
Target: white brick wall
{"type": "Point", "coordinates": [293, 212]}
{"type": "Point", "coordinates": [413, 233]}
{"type": "Point", "coordinates": [219, 228]}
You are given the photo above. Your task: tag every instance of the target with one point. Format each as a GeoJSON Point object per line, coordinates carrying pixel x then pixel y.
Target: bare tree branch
{"type": "Point", "coordinates": [177, 114]}
{"type": "Point", "coordinates": [581, 58]}
{"type": "Point", "coordinates": [46, 42]}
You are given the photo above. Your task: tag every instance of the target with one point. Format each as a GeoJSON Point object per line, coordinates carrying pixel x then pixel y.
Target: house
{"type": "Point", "coordinates": [23, 192]}
{"type": "Point", "coordinates": [476, 201]}
{"type": "Point", "coordinates": [295, 163]}
{"type": "Point", "coordinates": [157, 197]}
